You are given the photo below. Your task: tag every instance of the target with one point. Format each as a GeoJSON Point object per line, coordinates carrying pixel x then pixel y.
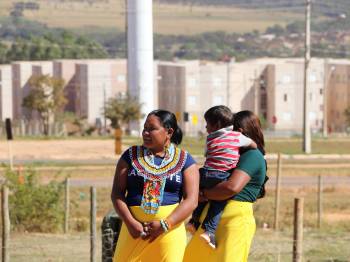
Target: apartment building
{"type": "Point", "coordinates": [244, 80]}
{"type": "Point", "coordinates": [338, 94]}
{"type": "Point", "coordinates": [22, 71]}
{"type": "Point", "coordinates": [5, 92]}
{"type": "Point", "coordinates": [65, 69]}
{"type": "Point", "coordinates": [285, 94]}
{"type": "Point", "coordinates": [270, 87]}
{"type": "Point", "coordinates": [189, 88]}
{"type": "Point", "coordinates": [95, 82]}
{"type": "Point", "coordinates": [273, 89]}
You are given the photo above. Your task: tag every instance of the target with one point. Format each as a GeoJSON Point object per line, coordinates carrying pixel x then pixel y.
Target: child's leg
{"type": "Point", "coordinates": [198, 211]}
{"type": "Point", "coordinates": [213, 216]}
{"type": "Point", "coordinates": [203, 184]}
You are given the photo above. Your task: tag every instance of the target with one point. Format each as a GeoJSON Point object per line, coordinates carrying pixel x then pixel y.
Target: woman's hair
{"type": "Point", "coordinates": [251, 127]}
{"type": "Point", "coordinates": [168, 120]}
{"type": "Point", "coordinates": [219, 115]}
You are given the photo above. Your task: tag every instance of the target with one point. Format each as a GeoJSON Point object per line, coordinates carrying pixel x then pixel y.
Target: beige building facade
{"type": "Point", "coordinates": [189, 88]}
{"type": "Point", "coordinates": [6, 100]}
{"type": "Point", "coordinates": [96, 81]}
{"type": "Point", "coordinates": [338, 94]}
{"type": "Point", "coordinates": [270, 87]}
{"type": "Point", "coordinates": [22, 71]}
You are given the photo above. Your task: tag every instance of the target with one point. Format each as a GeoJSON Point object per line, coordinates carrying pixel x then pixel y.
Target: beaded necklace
{"type": "Point", "coordinates": [155, 175]}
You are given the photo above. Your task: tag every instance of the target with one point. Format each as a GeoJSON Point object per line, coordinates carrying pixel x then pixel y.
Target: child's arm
{"type": "Point", "coordinates": [247, 142]}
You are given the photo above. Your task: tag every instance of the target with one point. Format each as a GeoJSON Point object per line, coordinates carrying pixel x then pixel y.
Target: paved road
{"type": "Point", "coordinates": [323, 159]}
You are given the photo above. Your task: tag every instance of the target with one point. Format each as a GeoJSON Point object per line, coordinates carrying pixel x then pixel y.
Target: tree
{"type": "Point", "coordinates": [46, 97]}
{"type": "Point", "coordinates": [122, 110]}
{"type": "Point", "coordinates": [3, 52]}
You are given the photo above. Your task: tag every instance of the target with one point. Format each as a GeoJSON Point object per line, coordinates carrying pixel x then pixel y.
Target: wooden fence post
{"type": "Point", "coordinates": [319, 209]}
{"type": "Point", "coordinates": [93, 225]}
{"type": "Point", "coordinates": [298, 229]}
{"type": "Point", "coordinates": [66, 206]}
{"type": "Point", "coordinates": [5, 215]}
{"type": "Point", "coordinates": [277, 193]}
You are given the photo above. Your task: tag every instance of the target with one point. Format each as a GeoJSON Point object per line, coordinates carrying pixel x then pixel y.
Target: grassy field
{"type": "Point", "coordinates": [168, 18]}
{"type": "Point", "coordinates": [336, 209]}
{"type": "Point", "coordinates": [285, 146]}
{"type": "Point", "coordinates": [267, 246]}
{"type": "Point", "coordinates": [273, 145]}
{"type": "Point", "coordinates": [330, 243]}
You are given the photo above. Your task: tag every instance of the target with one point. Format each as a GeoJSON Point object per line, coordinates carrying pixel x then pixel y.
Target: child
{"type": "Point", "coordinates": [222, 154]}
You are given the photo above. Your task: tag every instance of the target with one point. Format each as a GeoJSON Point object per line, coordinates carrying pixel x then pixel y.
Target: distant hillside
{"type": "Point", "coordinates": [329, 8]}
{"type": "Point", "coordinates": [175, 17]}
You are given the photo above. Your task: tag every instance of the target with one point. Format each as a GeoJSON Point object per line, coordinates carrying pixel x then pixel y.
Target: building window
{"type": "Point", "coordinates": [121, 78]}
{"type": "Point", "coordinates": [312, 115]}
{"type": "Point", "coordinates": [217, 100]}
{"type": "Point", "coordinates": [321, 91]}
{"type": "Point", "coordinates": [192, 100]}
{"type": "Point", "coordinates": [192, 82]}
{"type": "Point", "coordinates": [287, 116]}
{"type": "Point", "coordinates": [313, 78]}
{"type": "Point", "coordinates": [286, 79]}
{"type": "Point", "coordinates": [217, 82]}
{"type": "Point", "coordinates": [285, 97]}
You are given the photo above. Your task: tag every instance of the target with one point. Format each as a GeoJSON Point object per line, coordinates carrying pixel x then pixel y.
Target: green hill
{"type": "Point", "coordinates": [172, 17]}
{"type": "Point", "coordinates": [331, 8]}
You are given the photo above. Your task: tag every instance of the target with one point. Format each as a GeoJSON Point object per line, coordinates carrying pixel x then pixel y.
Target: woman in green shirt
{"type": "Point", "coordinates": [237, 225]}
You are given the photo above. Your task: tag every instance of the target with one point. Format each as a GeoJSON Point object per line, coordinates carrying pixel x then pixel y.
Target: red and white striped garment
{"type": "Point", "coordinates": [222, 149]}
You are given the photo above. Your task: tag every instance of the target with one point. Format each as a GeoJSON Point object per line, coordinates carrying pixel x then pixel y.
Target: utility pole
{"type": "Point", "coordinates": [306, 124]}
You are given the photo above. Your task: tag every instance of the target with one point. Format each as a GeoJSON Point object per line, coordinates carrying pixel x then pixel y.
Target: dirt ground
{"type": "Point", "coordinates": [59, 149]}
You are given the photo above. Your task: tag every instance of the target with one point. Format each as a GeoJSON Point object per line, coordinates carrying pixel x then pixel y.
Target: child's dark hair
{"type": "Point", "coordinates": [219, 115]}
{"type": "Point", "coordinates": [168, 120]}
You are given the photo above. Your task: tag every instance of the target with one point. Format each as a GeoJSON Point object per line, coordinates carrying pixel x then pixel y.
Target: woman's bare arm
{"type": "Point", "coordinates": [226, 189]}
{"type": "Point", "coordinates": [186, 206]}
{"type": "Point", "coordinates": [190, 196]}
{"type": "Point", "coordinates": [118, 199]}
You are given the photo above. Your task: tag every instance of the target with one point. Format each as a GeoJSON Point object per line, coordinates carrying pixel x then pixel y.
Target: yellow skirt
{"type": "Point", "coordinates": [168, 247]}
{"type": "Point", "coordinates": [233, 236]}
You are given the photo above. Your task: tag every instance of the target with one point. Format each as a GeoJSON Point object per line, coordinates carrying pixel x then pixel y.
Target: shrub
{"type": "Point", "coordinates": [34, 207]}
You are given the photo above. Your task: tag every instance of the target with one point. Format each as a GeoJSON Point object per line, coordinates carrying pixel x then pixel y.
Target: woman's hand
{"type": "Point", "coordinates": [135, 228]}
{"type": "Point", "coordinates": [153, 229]}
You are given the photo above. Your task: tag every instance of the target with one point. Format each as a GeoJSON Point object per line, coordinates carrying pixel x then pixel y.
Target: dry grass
{"type": "Point", "coordinates": [328, 244]}
{"type": "Point", "coordinates": [168, 19]}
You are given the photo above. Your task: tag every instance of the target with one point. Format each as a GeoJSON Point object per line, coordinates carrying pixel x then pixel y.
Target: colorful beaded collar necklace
{"type": "Point", "coordinates": [155, 175]}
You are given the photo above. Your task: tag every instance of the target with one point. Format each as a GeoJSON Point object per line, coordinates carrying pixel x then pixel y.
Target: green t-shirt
{"type": "Point", "coordinates": [253, 163]}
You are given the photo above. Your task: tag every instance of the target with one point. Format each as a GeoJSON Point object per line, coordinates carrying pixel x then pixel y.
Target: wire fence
{"type": "Point", "coordinates": [267, 246]}
{"type": "Point", "coordinates": [328, 243]}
